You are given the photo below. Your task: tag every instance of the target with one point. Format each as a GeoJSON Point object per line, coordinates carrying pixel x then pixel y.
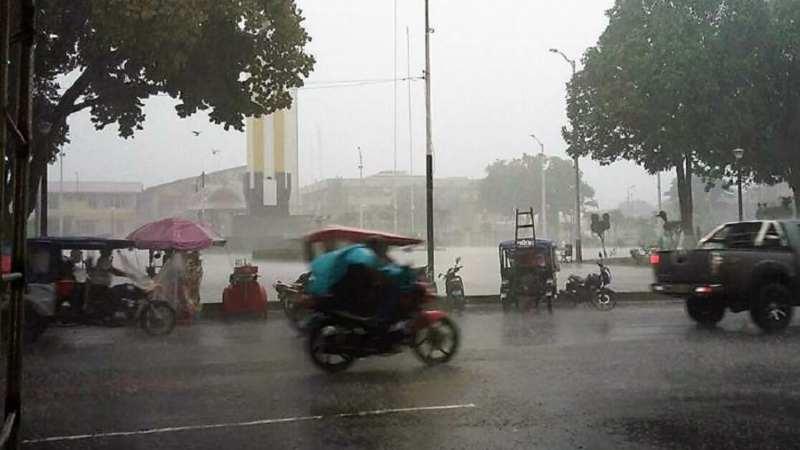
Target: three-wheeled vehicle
{"type": "Point", "coordinates": [528, 269]}
{"type": "Point", "coordinates": [51, 269]}
{"type": "Point", "coordinates": [339, 332]}
{"type": "Point", "coordinates": [317, 243]}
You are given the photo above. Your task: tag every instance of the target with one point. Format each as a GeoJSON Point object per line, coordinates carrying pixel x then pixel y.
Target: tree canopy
{"type": "Point", "coordinates": [676, 84]}
{"type": "Point", "coordinates": [232, 59]}
{"type": "Point", "coordinates": [516, 183]}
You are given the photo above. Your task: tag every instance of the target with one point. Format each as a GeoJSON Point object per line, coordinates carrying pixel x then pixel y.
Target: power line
{"type": "Point", "coordinates": [356, 83]}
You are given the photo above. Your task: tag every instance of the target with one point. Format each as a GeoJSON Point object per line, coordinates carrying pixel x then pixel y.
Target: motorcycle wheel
{"type": "Point", "coordinates": [158, 319]}
{"type": "Point", "coordinates": [320, 341]}
{"type": "Point", "coordinates": [296, 316]}
{"type": "Point", "coordinates": [455, 303]}
{"type": "Point", "coordinates": [604, 300]}
{"type": "Point", "coordinates": [288, 311]}
{"type": "Point", "coordinates": [437, 343]}
{"type": "Point", "coordinates": [462, 303]}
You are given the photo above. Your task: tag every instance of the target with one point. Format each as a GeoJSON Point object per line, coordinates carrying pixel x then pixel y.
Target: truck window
{"type": "Point", "coordinates": [717, 240]}
{"type": "Point", "coordinates": [773, 238]}
{"type": "Point", "coordinates": [743, 235]}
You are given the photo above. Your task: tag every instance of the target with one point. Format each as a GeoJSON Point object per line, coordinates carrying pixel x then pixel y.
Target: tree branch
{"type": "Point", "coordinates": [82, 105]}
{"type": "Point", "coordinates": [66, 105]}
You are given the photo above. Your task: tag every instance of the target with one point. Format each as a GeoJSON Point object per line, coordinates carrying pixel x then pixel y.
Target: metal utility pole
{"type": "Point", "coordinates": [739, 154]}
{"type": "Point", "coordinates": [429, 144]}
{"type": "Point", "coordinates": [544, 186]}
{"type": "Point", "coordinates": [394, 124]}
{"type": "Point", "coordinates": [578, 249]}
{"type": "Point", "coordinates": [739, 183]}
{"type": "Point", "coordinates": [410, 132]}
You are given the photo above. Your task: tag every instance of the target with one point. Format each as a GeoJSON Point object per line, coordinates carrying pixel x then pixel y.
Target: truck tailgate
{"type": "Point", "coordinates": [683, 267]}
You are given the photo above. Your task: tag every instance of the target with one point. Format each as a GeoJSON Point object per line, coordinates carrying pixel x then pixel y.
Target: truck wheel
{"type": "Point", "coordinates": [773, 310]}
{"type": "Point", "coordinates": [705, 311]}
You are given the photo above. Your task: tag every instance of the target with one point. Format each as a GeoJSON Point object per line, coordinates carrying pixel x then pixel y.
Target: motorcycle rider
{"type": "Point", "coordinates": [100, 278]}
{"type": "Point", "coordinates": [361, 278]}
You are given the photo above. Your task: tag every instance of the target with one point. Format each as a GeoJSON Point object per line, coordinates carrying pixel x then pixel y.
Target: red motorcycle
{"type": "Point", "coordinates": [337, 336]}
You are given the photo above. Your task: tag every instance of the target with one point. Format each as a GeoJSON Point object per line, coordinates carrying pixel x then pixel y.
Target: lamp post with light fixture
{"type": "Point", "coordinates": [544, 186]}
{"type": "Point", "coordinates": [578, 250]}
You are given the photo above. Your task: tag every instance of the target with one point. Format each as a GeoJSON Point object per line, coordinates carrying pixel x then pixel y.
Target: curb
{"type": "Point", "coordinates": [214, 310]}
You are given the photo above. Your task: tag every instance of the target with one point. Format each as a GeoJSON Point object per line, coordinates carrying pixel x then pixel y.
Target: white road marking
{"type": "Point", "coordinates": [377, 412]}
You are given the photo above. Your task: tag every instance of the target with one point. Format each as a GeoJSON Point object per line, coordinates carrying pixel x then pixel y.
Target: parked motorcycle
{"type": "Point", "coordinates": [592, 289]}
{"type": "Point", "coordinates": [134, 305]}
{"type": "Point", "coordinates": [291, 295]}
{"type": "Point", "coordinates": [337, 338]}
{"type": "Point", "coordinates": [454, 287]}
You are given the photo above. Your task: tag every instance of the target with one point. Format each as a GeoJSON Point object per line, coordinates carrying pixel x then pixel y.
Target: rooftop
{"type": "Point", "coordinates": [96, 187]}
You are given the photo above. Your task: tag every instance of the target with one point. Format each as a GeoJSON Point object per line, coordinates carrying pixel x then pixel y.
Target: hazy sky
{"type": "Point", "coordinates": [494, 83]}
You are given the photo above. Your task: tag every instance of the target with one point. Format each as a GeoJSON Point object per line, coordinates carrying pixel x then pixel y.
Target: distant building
{"type": "Point", "coordinates": [214, 198]}
{"type": "Point", "coordinates": [371, 203]}
{"type": "Point", "coordinates": [92, 208]}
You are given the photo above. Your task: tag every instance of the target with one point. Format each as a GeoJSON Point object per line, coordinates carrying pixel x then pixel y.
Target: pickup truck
{"type": "Point", "coordinates": [741, 266]}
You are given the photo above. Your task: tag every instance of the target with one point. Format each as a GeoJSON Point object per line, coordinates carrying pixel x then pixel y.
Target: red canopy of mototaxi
{"type": "Point", "coordinates": [358, 235]}
{"type": "Point", "coordinates": [175, 234]}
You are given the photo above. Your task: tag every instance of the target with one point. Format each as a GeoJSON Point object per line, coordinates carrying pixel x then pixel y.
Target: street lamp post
{"type": "Point", "coordinates": [544, 186]}
{"type": "Point", "coordinates": [578, 250]}
{"type": "Point", "coordinates": [739, 154]}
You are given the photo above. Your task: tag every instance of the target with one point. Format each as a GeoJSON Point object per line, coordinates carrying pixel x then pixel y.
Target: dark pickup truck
{"type": "Point", "coordinates": [742, 266]}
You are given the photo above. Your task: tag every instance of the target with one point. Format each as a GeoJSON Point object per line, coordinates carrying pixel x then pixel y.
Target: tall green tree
{"type": "Point", "coordinates": [775, 152]}
{"type": "Point", "coordinates": [516, 183]}
{"type": "Point", "coordinates": [670, 86]}
{"type": "Point", "coordinates": [231, 59]}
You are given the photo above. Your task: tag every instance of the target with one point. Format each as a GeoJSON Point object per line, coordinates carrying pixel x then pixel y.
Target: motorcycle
{"type": "Point", "coordinates": [592, 289]}
{"type": "Point", "coordinates": [134, 305]}
{"type": "Point", "coordinates": [454, 287]}
{"type": "Point", "coordinates": [337, 338]}
{"type": "Point", "coordinates": [291, 299]}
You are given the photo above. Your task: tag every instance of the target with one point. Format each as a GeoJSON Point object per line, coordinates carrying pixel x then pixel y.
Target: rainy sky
{"type": "Point", "coordinates": [494, 83]}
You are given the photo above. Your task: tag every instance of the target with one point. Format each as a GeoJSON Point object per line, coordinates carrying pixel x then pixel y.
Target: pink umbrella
{"type": "Point", "coordinates": [175, 234]}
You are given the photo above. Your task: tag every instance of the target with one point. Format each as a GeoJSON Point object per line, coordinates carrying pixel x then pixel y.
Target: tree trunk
{"type": "Point", "coordinates": [688, 217]}
{"type": "Point", "coordinates": [684, 177]}
{"type": "Point", "coordinates": [795, 185]}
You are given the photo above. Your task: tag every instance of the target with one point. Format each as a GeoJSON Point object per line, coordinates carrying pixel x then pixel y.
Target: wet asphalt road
{"type": "Point", "coordinates": [641, 376]}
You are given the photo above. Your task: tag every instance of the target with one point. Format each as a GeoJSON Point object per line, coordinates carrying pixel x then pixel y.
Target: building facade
{"type": "Point", "coordinates": [91, 208]}
{"type": "Point", "coordinates": [215, 198]}
{"type": "Point", "coordinates": [397, 202]}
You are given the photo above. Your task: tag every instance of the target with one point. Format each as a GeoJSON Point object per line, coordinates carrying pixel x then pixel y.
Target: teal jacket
{"type": "Point", "coordinates": [329, 268]}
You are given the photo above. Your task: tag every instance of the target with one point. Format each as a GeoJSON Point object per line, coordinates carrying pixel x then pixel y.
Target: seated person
{"type": "Point", "coordinates": [355, 275]}
{"type": "Point", "coordinates": [100, 278]}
